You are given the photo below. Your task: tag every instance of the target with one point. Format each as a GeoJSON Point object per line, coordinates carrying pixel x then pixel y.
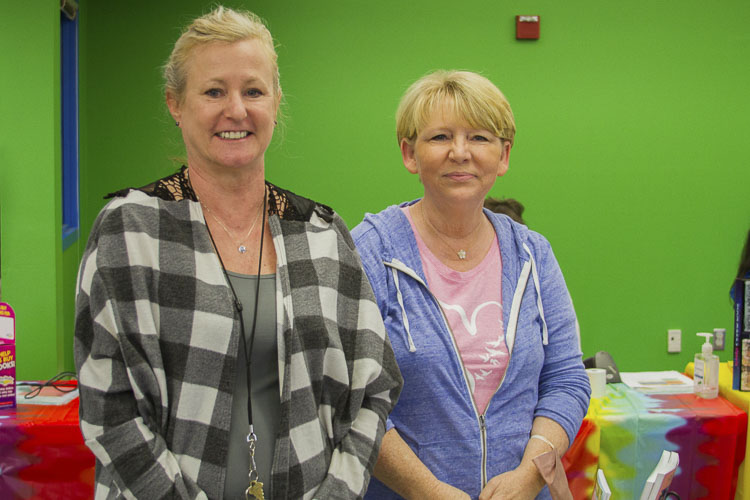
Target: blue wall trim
{"type": "Point", "coordinates": [69, 112]}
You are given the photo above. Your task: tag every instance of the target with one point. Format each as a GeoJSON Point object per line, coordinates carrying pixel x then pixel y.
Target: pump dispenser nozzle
{"type": "Point", "coordinates": [706, 348]}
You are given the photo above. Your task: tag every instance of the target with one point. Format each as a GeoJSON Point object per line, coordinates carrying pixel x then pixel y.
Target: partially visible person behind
{"type": "Point", "coordinates": [743, 270]}
{"type": "Point", "coordinates": [514, 209]}
{"type": "Point", "coordinates": [508, 206]}
{"type": "Point", "coordinates": [227, 340]}
{"type": "Point", "coordinates": [476, 308]}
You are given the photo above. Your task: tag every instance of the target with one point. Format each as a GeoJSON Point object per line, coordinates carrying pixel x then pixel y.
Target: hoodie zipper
{"type": "Point", "coordinates": [483, 432]}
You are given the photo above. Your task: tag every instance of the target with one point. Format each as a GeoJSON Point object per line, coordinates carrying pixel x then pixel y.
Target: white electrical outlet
{"type": "Point", "coordinates": [674, 340]}
{"type": "Point", "coordinates": [717, 340]}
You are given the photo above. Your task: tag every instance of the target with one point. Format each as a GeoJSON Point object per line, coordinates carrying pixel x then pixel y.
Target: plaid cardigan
{"type": "Point", "coordinates": [156, 342]}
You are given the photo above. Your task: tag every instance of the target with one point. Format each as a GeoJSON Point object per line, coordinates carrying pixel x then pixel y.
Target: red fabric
{"type": "Point", "coordinates": [712, 445]}
{"type": "Point", "coordinates": [42, 454]}
{"type": "Point", "coordinates": [579, 460]}
{"type": "Point", "coordinates": [724, 439]}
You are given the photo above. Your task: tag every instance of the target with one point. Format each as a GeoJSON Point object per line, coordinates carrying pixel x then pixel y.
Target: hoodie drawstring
{"type": "Point", "coordinates": [515, 307]}
{"type": "Point", "coordinates": [534, 272]}
{"type": "Point", "coordinates": [400, 297]}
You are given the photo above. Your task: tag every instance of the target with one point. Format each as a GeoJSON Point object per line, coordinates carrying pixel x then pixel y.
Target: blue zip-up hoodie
{"type": "Point", "coordinates": [436, 413]}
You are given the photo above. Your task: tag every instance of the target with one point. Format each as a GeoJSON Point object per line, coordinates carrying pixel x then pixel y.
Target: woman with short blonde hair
{"type": "Point", "coordinates": [476, 309]}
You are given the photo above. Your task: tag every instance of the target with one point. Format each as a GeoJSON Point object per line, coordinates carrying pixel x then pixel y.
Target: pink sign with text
{"type": "Point", "coordinates": [7, 356]}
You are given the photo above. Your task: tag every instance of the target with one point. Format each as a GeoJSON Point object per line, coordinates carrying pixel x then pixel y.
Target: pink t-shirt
{"type": "Point", "coordinates": [472, 303]}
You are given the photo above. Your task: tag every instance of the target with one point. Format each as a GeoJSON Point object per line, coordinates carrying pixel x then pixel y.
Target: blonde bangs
{"type": "Point", "coordinates": [470, 96]}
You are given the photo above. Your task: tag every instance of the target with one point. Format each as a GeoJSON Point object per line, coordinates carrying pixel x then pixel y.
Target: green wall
{"type": "Point", "coordinates": [631, 130]}
{"type": "Point", "coordinates": [629, 156]}
{"type": "Point", "coordinates": [36, 273]}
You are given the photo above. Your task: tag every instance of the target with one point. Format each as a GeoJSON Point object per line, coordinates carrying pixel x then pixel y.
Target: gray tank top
{"type": "Point", "coordinates": [265, 387]}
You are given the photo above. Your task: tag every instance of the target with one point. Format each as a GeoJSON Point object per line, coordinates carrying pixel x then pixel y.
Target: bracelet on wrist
{"type": "Point", "coordinates": [543, 439]}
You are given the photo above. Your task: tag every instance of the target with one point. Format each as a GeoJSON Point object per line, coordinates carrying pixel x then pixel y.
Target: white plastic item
{"type": "Point", "coordinates": [706, 371]}
{"type": "Point", "coordinates": [598, 381]}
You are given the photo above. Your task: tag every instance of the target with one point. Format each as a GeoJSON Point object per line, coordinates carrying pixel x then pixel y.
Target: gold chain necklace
{"type": "Point", "coordinates": [241, 248]}
{"type": "Point", "coordinates": [461, 252]}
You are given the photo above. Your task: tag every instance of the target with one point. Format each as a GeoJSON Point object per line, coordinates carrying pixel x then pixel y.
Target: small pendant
{"type": "Point", "coordinates": [242, 249]}
{"type": "Point", "coordinates": [461, 254]}
{"type": "Point", "coordinates": [255, 490]}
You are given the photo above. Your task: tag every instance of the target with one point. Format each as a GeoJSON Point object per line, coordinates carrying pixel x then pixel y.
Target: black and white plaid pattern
{"type": "Point", "coordinates": [156, 343]}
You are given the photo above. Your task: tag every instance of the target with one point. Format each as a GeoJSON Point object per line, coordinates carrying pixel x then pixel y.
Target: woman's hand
{"type": "Point", "coordinates": [525, 481]}
{"type": "Point", "coordinates": [402, 471]}
{"type": "Point", "coordinates": [518, 484]}
{"type": "Point", "coordinates": [444, 491]}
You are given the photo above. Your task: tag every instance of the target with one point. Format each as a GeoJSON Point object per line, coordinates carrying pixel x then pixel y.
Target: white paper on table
{"type": "Point", "coordinates": [663, 382]}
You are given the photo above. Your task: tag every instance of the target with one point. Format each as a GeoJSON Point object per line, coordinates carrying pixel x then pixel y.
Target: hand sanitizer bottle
{"type": "Point", "coordinates": [706, 371]}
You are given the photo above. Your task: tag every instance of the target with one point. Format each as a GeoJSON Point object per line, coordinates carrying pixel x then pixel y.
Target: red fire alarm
{"type": "Point", "coordinates": [527, 27]}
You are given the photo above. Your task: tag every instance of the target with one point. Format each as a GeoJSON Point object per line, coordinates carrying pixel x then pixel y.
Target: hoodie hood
{"type": "Point", "coordinates": [508, 231]}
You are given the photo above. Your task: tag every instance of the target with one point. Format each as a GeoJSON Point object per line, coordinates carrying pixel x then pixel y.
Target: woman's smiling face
{"type": "Point", "coordinates": [228, 109]}
{"type": "Point", "coordinates": [454, 160]}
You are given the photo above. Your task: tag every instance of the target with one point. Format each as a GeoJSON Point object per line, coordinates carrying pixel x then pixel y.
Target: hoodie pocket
{"type": "Point", "coordinates": [456, 462]}
{"type": "Point", "coordinates": [504, 452]}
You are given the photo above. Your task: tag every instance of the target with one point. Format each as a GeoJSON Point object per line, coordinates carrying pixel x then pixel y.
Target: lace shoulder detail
{"type": "Point", "coordinates": [290, 206]}
{"type": "Point", "coordinates": [174, 187]}
{"type": "Point", "coordinates": [285, 204]}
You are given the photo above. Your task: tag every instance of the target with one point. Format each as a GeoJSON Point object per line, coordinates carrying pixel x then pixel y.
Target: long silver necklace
{"type": "Point", "coordinates": [461, 253]}
{"type": "Point", "coordinates": [241, 248]}
{"type": "Point", "coordinates": [255, 487]}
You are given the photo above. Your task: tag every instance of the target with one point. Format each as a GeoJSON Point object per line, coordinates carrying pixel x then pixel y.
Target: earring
{"type": "Point", "coordinates": [177, 124]}
{"type": "Point", "coordinates": [275, 123]}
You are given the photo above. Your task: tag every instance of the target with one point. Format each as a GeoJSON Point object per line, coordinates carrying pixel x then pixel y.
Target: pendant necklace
{"type": "Point", "coordinates": [241, 248]}
{"type": "Point", "coordinates": [461, 253]}
{"type": "Point", "coordinates": [254, 490]}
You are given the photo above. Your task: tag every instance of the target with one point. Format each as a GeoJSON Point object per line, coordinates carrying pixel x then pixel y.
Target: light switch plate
{"type": "Point", "coordinates": [674, 340]}
{"type": "Point", "coordinates": [719, 338]}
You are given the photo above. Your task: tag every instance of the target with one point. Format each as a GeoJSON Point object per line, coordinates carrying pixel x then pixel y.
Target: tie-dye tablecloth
{"type": "Point", "coordinates": [625, 432]}
{"type": "Point", "coordinates": [42, 454]}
